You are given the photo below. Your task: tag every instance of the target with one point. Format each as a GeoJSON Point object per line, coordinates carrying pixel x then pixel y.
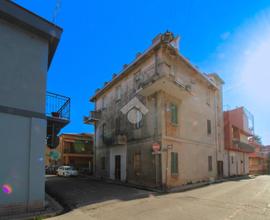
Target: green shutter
{"type": "Point", "coordinates": [174, 163]}
{"type": "Point", "coordinates": [209, 130]}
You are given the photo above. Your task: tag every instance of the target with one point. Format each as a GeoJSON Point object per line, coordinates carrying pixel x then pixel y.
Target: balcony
{"type": "Point", "coordinates": [163, 80]}
{"type": "Point", "coordinates": [58, 116]}
{"type": "Point", "coordinates": [93, 117]}
{"type": "Point", "coordinates": [112, 139]}
{"type": "Point", "coordinates": [57, 106]}
{"type": "Point", "coordinates": [242, 146]}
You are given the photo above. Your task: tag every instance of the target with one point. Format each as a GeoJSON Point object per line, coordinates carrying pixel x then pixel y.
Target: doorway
{"type": "Point", "coordinates": [220, 168]}
{"type": "Point", "coordinates": [117, 174]}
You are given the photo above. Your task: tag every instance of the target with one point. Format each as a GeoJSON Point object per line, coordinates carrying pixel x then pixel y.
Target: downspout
{"type": "Point", "coordinates": [156, 124]}
{"type": "Point", "coordinates": [229, 133]}
{"type": "Point", "coordinates": [162, 118]}
{"type": "Point", "coordinates": [216, 130]}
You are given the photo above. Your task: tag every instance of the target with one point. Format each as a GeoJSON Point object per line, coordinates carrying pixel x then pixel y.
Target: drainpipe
{"type": "Point", "coordinates": [216, 129]}
{"type": "Point", "coordinates": [156, 123]}
{"type": "Point", "coordinates": [229, 165]}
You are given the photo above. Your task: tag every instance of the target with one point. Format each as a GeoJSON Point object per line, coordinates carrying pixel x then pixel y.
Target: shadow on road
{"type": "Point", "coordinates": [77, 192]}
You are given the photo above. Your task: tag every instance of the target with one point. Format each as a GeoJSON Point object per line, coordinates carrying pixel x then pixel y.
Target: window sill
{"type": "Point", "coordinates": [174, 124]}
{"type": "Point", "coordinates": [174, 175]}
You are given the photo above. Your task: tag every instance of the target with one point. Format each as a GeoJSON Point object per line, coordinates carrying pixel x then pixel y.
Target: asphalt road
{"type": "Point", "coordinates": [243, 199]}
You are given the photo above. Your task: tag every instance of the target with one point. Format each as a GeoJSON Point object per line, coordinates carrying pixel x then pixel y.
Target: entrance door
{"type": "Point", "coordinates": [220, 168]}
{"type": "Point", "coordinates": [117, 173]}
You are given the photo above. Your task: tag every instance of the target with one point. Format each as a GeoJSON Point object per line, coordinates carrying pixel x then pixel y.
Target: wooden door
{"type": "Point", "coordinates": [220, 168]}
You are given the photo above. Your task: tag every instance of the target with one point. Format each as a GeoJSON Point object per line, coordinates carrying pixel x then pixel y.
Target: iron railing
{"type": "Point", "coordinates": [57, 106]}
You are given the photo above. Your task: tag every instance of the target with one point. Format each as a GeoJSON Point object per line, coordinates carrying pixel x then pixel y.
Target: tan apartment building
{"type": "Point", "coordinates": [159, 123]}
{"type": "Point", "coordinates": [73, 149]}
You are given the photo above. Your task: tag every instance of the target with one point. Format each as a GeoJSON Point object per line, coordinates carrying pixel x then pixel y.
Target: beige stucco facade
{"type": "Point", "coordinates": [184, 117]}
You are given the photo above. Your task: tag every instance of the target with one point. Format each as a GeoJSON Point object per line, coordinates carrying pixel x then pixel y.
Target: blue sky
{"type": "Point", "coordinates": [229, 37]}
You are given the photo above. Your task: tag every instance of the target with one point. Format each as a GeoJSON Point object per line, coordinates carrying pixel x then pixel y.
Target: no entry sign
{"type": "Point", "coordinates": [156, 147]}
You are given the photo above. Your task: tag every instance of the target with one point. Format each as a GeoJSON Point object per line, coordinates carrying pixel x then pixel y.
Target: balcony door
{"type": "Point", "coordinates": [117, 174]}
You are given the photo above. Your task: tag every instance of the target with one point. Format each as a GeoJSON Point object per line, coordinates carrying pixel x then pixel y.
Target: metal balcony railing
{"type": "Point", "coordinates": [57, 106]}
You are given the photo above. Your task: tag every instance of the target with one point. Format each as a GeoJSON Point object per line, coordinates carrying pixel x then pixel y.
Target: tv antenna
{"type": "Point", "coordinates": [56, 10]}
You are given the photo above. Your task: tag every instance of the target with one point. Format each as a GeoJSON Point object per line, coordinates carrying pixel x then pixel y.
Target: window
{"type": "Point", "coordinates": [235, 132]}
{"type": "Point", "coordinates": [103, 163]}
{"type": "Point", "coordinates": [117, 125]}
{"type": "Point", "coordinates": [139, 120]}
{"type": "Point", "coordinates": [138, 77]}
{"type": "Point", "coordinates": [103, 131]}
{"type": "Point", "coordinates": [210, 163]}
{"type": "Point", "coordinates": [209, 130]}
{"type": "Point", "coordinates": [174, 114]}
{"type": "Point", "coordinates": [174, 163]}
{"type": "Point", "coordinates": [103, 104]}
{"type": "Point", "coordinates": [118, 93]}
{"type": "Point", "coordinates": [208, 98]}
{"type": "Point", "coordinates": [137, 162]}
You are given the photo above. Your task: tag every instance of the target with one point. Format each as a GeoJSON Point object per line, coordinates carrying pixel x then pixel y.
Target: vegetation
{"type": "Point", "coordinates": [258, 139]}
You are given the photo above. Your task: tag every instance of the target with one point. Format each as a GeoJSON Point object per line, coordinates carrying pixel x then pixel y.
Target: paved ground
{"type": "Point", "coordinates": [76, 192]}
{"type": "Point", "coordinates": [244, 199]}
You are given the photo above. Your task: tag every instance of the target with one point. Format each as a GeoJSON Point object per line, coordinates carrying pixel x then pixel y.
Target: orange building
{"type": "Point", "coordinates": [73, 149]}
{"type": "Point", "coordinates": [266, 154]}
{"type": "Point", "coordinates": [257, 159]}
{"type": "Point", "coordinates": [238, 128]}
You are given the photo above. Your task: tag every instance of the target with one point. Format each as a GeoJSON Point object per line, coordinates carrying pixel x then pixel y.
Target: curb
{"type": "Point", "coordinates": [198, 185]}
{"type": "Point", "coordinates": [175, 189]}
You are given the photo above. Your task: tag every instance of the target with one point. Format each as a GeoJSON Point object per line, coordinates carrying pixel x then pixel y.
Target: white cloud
{"type": "Point", "coordinates": [246, 69]}
{"type": "Point", "coordinates": [225, 35]}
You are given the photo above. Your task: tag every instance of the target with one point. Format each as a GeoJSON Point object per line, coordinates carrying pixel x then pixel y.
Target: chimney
{"type": "Point", "coordinates": [167, 37]}
{"type": "Point", "coordinates": [125, 66]}
{"type": "Point", "coordinates": [105, 83]}
{"type": "Point", "coordinates": [97, 90]}
{"type": "Point", "coordinates": [114, 75]}
{"type": "Point", "coordinates": [138, 54]}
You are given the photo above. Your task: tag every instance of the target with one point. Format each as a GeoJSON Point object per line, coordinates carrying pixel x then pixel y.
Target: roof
{"type": "Point", "coordinates": [17, 15]}
{"type": "Point", "coordinates": [77, 134]}
{"type": "Point", "coordinates": [158, 41]}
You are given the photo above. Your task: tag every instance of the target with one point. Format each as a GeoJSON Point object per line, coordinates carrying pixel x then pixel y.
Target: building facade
{"type": "Point", "coordinates": [159, 123]}
{"type": "Point", "coordinates": [238, 128]}
{"type": "Point", "coordinates": [73, 149]}
{"type": "Point", "coordinates": [27, 46]}
{"type": "Point", "coordinates": [257, 163]}
{"type": "Point", "coordinates": [266, 153]}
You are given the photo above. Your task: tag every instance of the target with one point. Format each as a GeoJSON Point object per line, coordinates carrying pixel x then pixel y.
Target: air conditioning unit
{"type": "Point", "coordinates": [188, 88]}
{"type": "Point", "coordinates": [179, 82]}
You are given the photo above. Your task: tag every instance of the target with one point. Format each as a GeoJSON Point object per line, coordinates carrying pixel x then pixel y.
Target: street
{"type": "Point", "coordinates": [242, 199]}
